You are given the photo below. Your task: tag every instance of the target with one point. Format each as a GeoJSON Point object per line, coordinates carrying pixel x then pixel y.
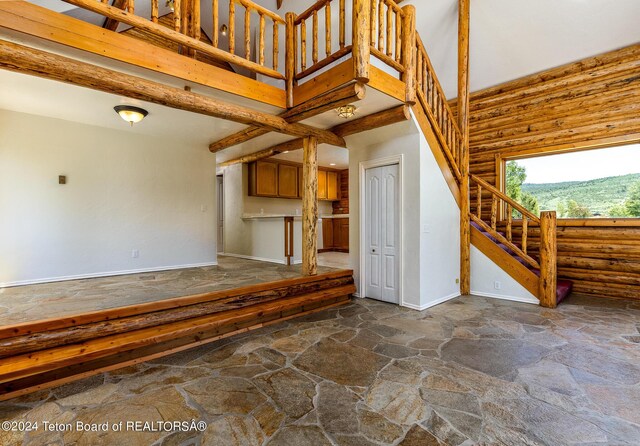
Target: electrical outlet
{"type": "Point", "coordinates": [457, 280]}
{"type": "Point", "coordinates": [135, 254]}
{"type": "Point", "coordinates": [497, 285]}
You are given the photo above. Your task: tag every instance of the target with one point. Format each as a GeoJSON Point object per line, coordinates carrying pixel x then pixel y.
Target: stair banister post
{"type": "Point", "coordinates": [290, 56]}
{"type": "Point", "coordinates": [409, 59]}
{"type": "Point", "coordinates": [548, 259]}
{"type": "Point", "coordinates": [361, 39]}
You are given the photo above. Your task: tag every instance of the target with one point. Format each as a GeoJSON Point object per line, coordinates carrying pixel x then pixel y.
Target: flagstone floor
{"type": "Point", "coordinates": [470, 371]}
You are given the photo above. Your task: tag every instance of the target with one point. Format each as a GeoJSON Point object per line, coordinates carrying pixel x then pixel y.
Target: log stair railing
{"type": "Point", "coordinates": [500, 212]}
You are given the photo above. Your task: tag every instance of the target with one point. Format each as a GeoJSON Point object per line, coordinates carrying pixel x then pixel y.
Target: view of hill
{"type": "Point", "coordinates": [598, 196]}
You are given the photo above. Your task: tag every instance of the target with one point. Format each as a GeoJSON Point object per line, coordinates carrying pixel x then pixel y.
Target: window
{"type": "Point", "coordinates": [601, 183]}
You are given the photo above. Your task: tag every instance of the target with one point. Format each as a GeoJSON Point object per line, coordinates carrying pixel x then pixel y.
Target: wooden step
{"type": "Point", "coordinates": [50, 366]}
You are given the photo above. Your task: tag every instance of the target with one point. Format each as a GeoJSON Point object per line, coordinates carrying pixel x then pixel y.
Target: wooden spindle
{"type": "Point", "coordinates": [373, 17]}
{"type": "Point", "coordinates": [276, 45]}
{"type": "Point", "coordinates": [327, 24]}
{"type": "Point", "coordinates": [303, 45]}
{"type": "Point", "coordinates": [232, 26]}
{"type": "Point", "coordinates": [479, 203]}
{"type": "Point", "coordinates": [196, 20]}
{"type": "Point", "coordinates": [525, 231]}
{"type": "Point", "coordinates": [290, 56]}
{"type": "Point", "coordinates": [314, 53]}
{"type": "Point", "coordinates": [343, 24]}
{"type": "Point", "coordinates": [105, 1]}
{"type": "Point", "coordinates": [154, 11]}
{"type": "Point", "coordinates": [390, 38]}
{"type": "Point", "coordinates": [398, 48]}
{"type": "Point", "coordinates": [419, 79]}
{"type": "Point", "coordinates": [131, 6]}
{"type": "Point", "coordinates": [177, 16]}
{"type": "Point", "coordinates": [509, 223]}
{"type": "Point", "coordinates": [380, 25]}
{"type": "Point", "coordinates": [494, 212]}
{"type": "Point", "coordinates": [247, 33]}
{"type": "Point", "coordinates": [216, 23]}
{"type": "Point", "coordinates": [424, 76]}
{"type": "Point", "coordinates": [261, 41]}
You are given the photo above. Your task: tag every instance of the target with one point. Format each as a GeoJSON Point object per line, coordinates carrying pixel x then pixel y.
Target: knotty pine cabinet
{"type": "Point", "coordinates": [284, 180]}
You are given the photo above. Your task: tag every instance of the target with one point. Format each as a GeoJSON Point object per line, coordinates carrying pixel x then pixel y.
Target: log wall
{"type": "Point", "coordinates": [590, 103]}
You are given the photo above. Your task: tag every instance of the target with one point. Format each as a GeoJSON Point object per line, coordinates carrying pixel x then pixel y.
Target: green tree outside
{"type": "Point", "coordinates": [516, 175]}
{"type": "Point", "coordinates": [632, 204]}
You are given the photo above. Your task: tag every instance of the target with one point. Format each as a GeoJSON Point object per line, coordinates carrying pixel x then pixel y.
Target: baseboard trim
{"type": "Point", "coordinates": [259, 259]}
{"type": "Point", "coordinates": [526, 300]}
{"type": "Point", "coordinates": [431, 304]}
{"type": "Point", "coordinates": [104, 274]}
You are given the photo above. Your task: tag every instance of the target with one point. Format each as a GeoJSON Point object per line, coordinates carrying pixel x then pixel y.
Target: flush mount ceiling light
{"type": "Point", "coordinates": [346, 111]}
{"type": "Point", "coordinates": [223, 29]}
{"type": "Point", "coordinates": [130, 113]}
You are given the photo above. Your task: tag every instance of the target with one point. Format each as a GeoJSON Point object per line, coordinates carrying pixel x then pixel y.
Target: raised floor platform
{"type": "Point", "coordinates": [53, 351]}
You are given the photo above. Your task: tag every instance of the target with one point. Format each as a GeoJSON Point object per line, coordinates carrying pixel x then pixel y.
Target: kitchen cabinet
{"type": "Point", "coordinates": [274, 178]}
{"type": "Point", "coordinates": [287, 181]}
{"type": "Point", "coordinates": [335, 234]}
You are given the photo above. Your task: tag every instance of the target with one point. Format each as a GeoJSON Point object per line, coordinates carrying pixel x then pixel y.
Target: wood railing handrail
{"type": "Point", "coordinates": [126, 17]}
{"type": "Point", "coordinates": [438, 86]}
{"type": "Point", "coordinates": [316, 7]}
{"type": "Point", "coordinates": [248, 4]}
{"type": "Point", "coordinates": [505, 198]}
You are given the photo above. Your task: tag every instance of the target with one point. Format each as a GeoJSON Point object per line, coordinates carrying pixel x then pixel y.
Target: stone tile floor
{"type": "Point", "coordinates": [34, 302]}
{"type": "Point", "coordinates": [470, 371]}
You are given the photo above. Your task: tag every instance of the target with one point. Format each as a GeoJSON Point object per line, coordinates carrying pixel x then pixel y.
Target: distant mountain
{"type": "Point", "coordinates": [597, 195]}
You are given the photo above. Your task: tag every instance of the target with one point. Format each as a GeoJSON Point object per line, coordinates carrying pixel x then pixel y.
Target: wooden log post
{"type": "Point", "coordinates": [463, 116]}
{"type": "Point", "coordinates": [310, 207]}
{"type": "Point", "coordinates": [361, 39]}
{"type": "Point", "coordinates": [409, 53]}
{"type": "Point", "coordinates": [548, 259]}
{"type": "Point", "coordinates": [290, 56]}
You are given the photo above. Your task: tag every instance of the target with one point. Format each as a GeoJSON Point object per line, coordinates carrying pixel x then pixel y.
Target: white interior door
{"type": "Point", "coordinates": [220, 186]}
{"type": "Point", "coordinates": [382, 233]}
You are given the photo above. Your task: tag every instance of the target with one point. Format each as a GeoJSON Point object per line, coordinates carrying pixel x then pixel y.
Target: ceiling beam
{"type": "Point", "coordinates": [324, 102]}
{"type": "Point", "coordinates": [39, 63]}
{"type": "Point", "coordinates": [387, 117]}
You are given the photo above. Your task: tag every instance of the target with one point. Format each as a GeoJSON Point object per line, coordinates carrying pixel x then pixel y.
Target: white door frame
{"type": "Point", "coordinates": [370, 164]}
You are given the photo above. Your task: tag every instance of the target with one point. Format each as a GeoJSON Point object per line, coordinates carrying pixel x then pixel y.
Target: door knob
{"type": "Point", "coordinates": [373, 250]}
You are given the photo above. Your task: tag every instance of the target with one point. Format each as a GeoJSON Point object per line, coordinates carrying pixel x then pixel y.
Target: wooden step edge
{"type": "Point", "coordinates": [18, 345]}
{"type": "Point", "coordinates": [149, 307]}
{"type": "Point", "coordinates": [30, 364]}
{"type": "Point", "coordinates": [86, 370]}
{"type": "Point", "coordinates": [505, 261]}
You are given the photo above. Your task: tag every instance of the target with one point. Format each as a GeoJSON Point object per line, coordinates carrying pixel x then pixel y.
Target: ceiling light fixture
{"type": "Point", "coordinates": [130, 113]}
{"type": "Point", "coordinates": [170, 4]}
{"type": "Point", "coordinates": [332, 164]}
{"type": "Point", "coordinates": [223, 29]}
{"type": "Point", "coordinates": [346, 111]}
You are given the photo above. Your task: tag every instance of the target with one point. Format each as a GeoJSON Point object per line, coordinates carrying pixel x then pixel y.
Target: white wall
{"type": "Point", "coordinates": [261, 239]}
{"type": "Point", "coordinates": [484, 275]}
{"type": "Point", "coordinates": [430, 259]}
{"type": "Point", "coordinates": [124, 192]}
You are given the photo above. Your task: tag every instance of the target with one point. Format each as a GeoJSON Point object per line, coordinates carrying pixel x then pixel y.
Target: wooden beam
{"type": "Point", "coordinates": [35, 62]}
{"type": "Point", "coordinates": [373, 121]}
{"type": "Point", "coordinates": [325, 102]}
{"type": "Point", "coordinates": [310, 207]}
{"type": "Point", "coordinates": [361, 39]}
{"type": "Point", "coordinates": [112, 24]}
{"type": "Point", "coordinates": [463, 119]}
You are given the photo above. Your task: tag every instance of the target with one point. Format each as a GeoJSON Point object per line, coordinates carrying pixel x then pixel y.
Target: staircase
{"type": "Point", "coordinates": [524, 247]}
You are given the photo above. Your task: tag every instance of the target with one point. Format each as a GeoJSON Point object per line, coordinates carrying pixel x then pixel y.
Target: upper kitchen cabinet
{"type": "Point", "coordinates": [284, 180]}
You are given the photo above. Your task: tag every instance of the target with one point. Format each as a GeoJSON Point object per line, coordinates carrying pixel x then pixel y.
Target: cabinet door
{"type": "Point", "coordinates": [287, 181]}
{"type": "Point", "coordinates": [266, 179]}
{"type": "Point", "coordinates": [322, 184]}
{"type": "Point", "coordinates": [327, 233]}
{"type": "Point", "coordinates": [344, 234]}
{"type": "Point", "coordinates": [332, 186]}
